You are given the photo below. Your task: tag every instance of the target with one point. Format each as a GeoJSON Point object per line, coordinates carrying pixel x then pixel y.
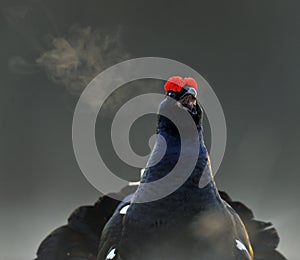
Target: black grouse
{"type": "Point", "coordinates": [192, 222]}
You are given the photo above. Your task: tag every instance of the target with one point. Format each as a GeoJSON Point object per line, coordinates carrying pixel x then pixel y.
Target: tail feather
{"type": "Point", "coordinates": [266, 240]}
{"type": "Point", "coordinates": [273, 255]}
{"type": "Point", "coordinates": [263, 236]}
{"type": "Point", "coordinates": [79, 239]}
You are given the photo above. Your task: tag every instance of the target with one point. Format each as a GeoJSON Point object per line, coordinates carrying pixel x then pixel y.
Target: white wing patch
{"type": "Point", "coordinates": [241, 247]}
{"type": "Point", "coordinates": [123, 210]}
{"type": "Point", "coordinates": [111, 255]}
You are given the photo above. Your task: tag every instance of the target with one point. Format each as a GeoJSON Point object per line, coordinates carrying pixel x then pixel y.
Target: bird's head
{"type": "Point", "coordinates": [184, 91]}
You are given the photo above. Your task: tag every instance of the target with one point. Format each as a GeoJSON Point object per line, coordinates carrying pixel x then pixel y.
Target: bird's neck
{"type": "Point", "coordinates": [199, 184]}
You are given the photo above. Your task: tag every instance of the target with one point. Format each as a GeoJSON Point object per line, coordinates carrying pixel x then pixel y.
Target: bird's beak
{"type": "Point", "coordinates": [189, 102]}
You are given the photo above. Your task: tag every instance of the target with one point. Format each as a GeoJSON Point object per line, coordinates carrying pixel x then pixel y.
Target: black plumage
{"type": "Point", "coordinates": [190, 223]}
{"type": "Point", "coordinates": [76, 242]}
{"type": "Point", "coordinates": [79, 238]}
{"type": "Point", "coordinates": [263, 236]}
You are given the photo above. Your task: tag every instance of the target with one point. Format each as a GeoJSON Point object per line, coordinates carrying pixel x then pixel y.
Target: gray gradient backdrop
{"type": "Point", "coordinates": [247, 50]}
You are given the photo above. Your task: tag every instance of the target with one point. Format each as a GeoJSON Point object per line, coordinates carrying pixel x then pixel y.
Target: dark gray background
{"type": "Point", "coordinates": [247, 50]}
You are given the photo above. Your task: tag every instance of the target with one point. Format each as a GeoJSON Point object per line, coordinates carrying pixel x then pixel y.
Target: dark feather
{"type": "Point", "coordinates": [79, 239]}
{"type": "Point", "coordinates": [263, 236]}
